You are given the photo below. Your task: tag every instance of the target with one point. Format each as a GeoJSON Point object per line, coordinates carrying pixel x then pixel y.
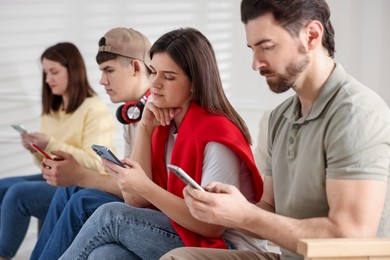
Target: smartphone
{"type": "Point", "coordinates": [105, 152]}
{"type": "Point", "coordinates": [19, 128]}
{"type": "Point", "coordinates": [179, 172]}
{"type": "Point", "coordinates": [39, 150]}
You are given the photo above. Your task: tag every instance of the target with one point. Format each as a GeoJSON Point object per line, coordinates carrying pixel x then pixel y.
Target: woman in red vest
{"type": "Point", "coordinates": [189, 122]}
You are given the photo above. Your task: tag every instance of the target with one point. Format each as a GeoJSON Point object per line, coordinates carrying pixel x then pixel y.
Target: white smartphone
{"type": "Point", "coordinates": [106, 153]}
{"type": "Point", "coordinates": [179, 172]}
{"type": "Point", "coordinates": [19, 128]}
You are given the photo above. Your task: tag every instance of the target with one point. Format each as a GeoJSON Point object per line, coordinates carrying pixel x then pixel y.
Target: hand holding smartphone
{"type": "Point", "coordinates": [39, 150]}
{"type": "Point", "coordinates": [179, 172]}
{"type": "Point", "coordinates": [106, 153]}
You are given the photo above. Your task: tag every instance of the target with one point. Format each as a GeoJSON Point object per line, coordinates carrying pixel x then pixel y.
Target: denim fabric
{"type": "Point", "coordinates": [20, 198]}
{"type": "Point", "coordinates": [112, 252]}
{"type": "Point", "coordinates": [69, 210]}
{"type": "Point", "coordinates": [146, 233]}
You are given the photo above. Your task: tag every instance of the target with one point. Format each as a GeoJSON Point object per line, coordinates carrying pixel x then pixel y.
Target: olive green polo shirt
{"type": "Point", "coordinates": [346, 135]}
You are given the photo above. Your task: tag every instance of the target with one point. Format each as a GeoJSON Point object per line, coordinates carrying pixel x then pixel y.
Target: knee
{"type": "Point", "coordinates": [17, 197]}
{"type": "Point", "coordinates": [85, 197]}
{"type": "Point", "coordinates": [17, 192]}
{"type": "Point", "coordinates": [105, 214]}
{"type": "Point", "coordinates": [110, 208]}
{"type": "Point", "coordinates": [112, 211]}
{"type": "Point", "coordinates": [5, 184]}
{"type": "Point", "coordinates": [77, 199]}
{"type": "Point", "coordinates": [82, 199]}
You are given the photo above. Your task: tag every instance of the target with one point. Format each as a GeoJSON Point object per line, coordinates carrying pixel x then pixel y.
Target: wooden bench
{"type": "Point", "coordinates": [345, 249]}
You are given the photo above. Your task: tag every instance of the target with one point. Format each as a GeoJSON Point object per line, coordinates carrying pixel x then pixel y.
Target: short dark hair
{"type": "Point", "coordinates": [292, 15]}
{"type": "Point", "coordinates": [103, 56]}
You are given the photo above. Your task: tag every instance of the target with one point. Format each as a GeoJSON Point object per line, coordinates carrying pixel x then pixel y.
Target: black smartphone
{"type": "Point", "coordinates": [179, 172]}
{"type": "Point", "coordinates": [106, 153]}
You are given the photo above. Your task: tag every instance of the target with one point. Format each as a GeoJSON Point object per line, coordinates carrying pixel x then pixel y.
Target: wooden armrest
{"type": "Point", "coordinates": [345, 248]}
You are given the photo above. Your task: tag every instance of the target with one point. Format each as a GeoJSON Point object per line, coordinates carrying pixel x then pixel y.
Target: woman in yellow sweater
{"type": "Point", "coordinates": [73, 118]}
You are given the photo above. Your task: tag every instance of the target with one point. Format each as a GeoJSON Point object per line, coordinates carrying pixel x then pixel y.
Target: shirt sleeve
{"type": "Point", "coordinates": [220, 164]}
{"type": "Point", "coordinates": [260, 152]}
{"type": "Point", "coordinates": [356, 150]}
{"type": "Point", "coordinates": [95, 125]}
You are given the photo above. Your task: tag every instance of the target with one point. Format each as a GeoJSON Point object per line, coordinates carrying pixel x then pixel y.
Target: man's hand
{"type": "Point", "coordinates": [132, 181]}
{"type": "Point", "coordinates": [63, 171]}
{"type": "Point", "coordinates": [217, 206]}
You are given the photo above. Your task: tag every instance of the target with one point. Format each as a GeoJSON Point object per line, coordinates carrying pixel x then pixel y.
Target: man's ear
{"type": "Point", "coordinates": [314, 33]}
{"type": "Point", "coordinates": [137, 65]}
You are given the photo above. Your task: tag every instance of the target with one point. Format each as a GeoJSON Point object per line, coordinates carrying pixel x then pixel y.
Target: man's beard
{"type": "Point", "coordinates": [283, 82]}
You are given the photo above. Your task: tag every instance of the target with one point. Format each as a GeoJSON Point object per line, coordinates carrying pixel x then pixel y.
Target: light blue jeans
{"type": "Point", "coordinates": [119, 231]}
{"type": "Point", "coordinates": [69, 210]}
{"type": "Point", "coordinates": [21, 198]}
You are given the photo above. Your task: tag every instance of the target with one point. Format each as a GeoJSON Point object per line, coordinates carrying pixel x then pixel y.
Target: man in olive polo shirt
{"type": "Point", "coordinates": [328, 153]}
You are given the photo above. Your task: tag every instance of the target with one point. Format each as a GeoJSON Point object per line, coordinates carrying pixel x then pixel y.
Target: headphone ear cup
{"type": "Point", "coordinates": [130, 112]}
{"type": "Point", "coordinates": [119, 115]}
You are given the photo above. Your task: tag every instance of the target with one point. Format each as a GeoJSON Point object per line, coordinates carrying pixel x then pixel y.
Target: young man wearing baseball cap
{"type": "Point", "coordinates": [123, 58]}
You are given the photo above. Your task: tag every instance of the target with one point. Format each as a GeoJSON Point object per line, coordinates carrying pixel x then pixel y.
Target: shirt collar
{"type": "Point", "coordinates": [330, 89]}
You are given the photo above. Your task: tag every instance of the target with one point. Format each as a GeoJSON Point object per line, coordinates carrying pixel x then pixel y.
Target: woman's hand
{"type": "Point", "coordinates": [39, 139]}
{"type": "Point", "coordinates": [153, 116]}
{"type": "Point", "coordinates": [132, 179]}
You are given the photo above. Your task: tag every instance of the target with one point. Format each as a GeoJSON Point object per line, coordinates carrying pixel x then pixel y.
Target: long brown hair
{"type": "Point", "coordinates": [78, 89]}
{"type": "Point", "coordinates": [193, 53]}
{"type": "Point", "coordinates": [292, 15]}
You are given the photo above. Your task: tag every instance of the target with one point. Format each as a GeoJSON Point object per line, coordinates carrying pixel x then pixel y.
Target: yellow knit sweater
{"type": "Point", "coordinates": [74, 133]}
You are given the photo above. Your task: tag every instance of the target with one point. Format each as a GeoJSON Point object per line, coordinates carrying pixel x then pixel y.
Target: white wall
{"type": "Point", "coordinates": [27, 27]}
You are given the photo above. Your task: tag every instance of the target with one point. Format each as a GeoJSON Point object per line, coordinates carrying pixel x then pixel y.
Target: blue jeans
{"type": "Point", "coordinates": [144, 232]}
{"type": "Point", "coordinates": [69, 210]}
{"type": "Point", "coordinates": [21, 198]}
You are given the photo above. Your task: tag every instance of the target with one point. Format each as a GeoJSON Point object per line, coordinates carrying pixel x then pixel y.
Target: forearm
{"type": "Point", "coordinates": [265, 206]}
{"type": "Point", "coordinates": [95, 180]}
{"type": "Point", "coordinates": [142, 150]}
{"type": "Point", "coordinates": [286, 232]}
{"type": "Point", "coordinates": [175, 208]}
{"type": "Point", "coordinates": [355, 208]}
